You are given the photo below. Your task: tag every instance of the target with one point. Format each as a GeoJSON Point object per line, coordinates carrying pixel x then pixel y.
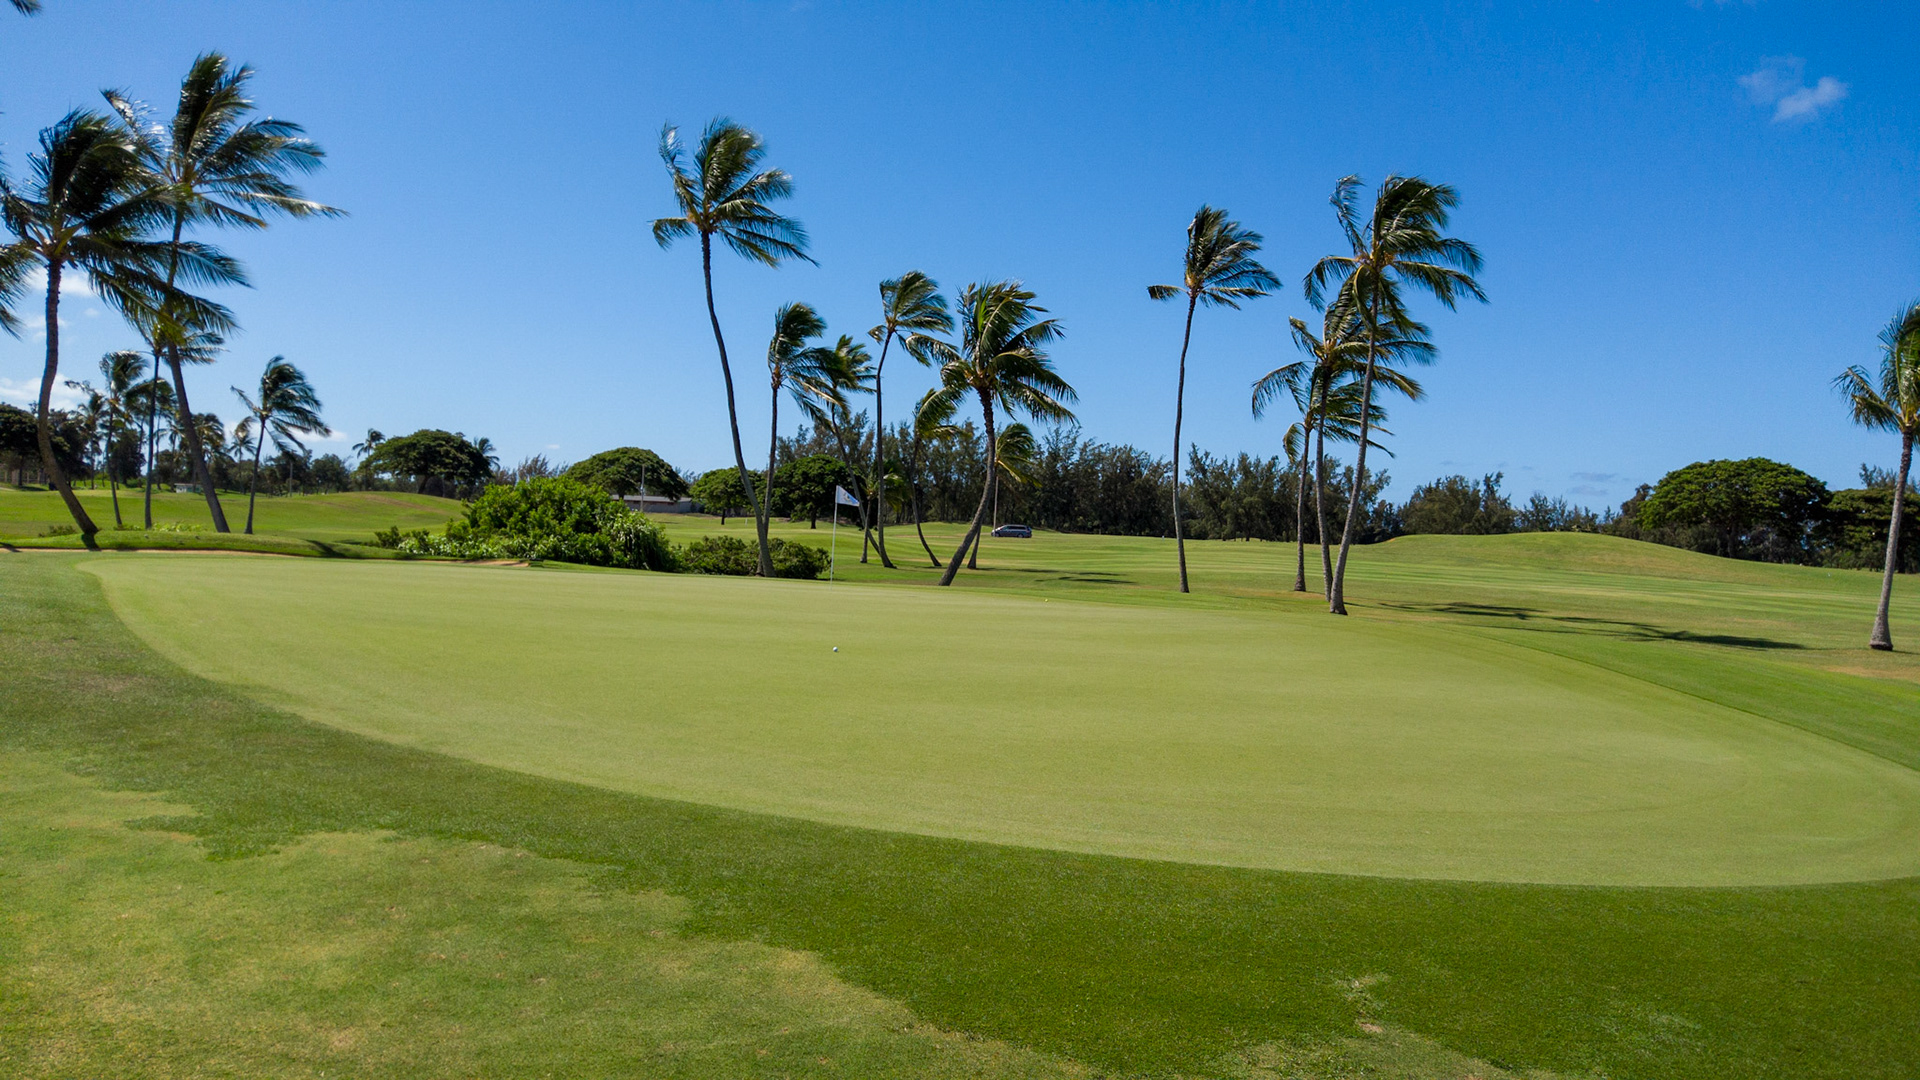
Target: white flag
{"type": "Point", "coordinates": [841, 498]}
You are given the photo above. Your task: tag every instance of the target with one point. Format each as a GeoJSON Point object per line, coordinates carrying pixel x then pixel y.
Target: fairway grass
{"type": "Point", "coordinates": [1279, 739]}
{"type": "Point", "coordinates": [345, 517]}
{"type": "Point", "coordinates": [1132, 967]}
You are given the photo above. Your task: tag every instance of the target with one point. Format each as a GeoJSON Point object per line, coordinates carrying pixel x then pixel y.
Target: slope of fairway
{"type": "Point", "coordinates": [347, 515]}
{"type": "Point", "coordinates": [1256, 739]}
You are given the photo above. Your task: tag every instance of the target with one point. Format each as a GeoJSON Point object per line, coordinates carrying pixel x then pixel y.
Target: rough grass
{"type": "Point", "coordinates": [1128, 965]}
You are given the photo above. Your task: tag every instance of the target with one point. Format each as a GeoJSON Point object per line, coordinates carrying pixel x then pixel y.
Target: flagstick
{"type": "Point", "coordinates": [834, 544]}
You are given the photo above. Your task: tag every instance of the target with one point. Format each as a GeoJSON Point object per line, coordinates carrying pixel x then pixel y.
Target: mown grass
{"type": "Point", "coordinates": [1127, 965]}
{"type": "Point", "coordinates": [26, 514]}
{"type": "Point", "coordinates": [1278, 739]}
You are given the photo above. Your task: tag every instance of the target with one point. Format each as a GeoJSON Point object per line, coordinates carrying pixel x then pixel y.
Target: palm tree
{"type": "Point", "coordinates": [87, 207]}
{"type": "Point", "coordinates": [90, 418]}
{"type": "Point", "coordinates": [723, 196]}
{"type": "Point", "coordinates": [26, 7]}
{"type": "Point", "coordinates": [1890, 402]}
{"type": "Point", "coordinates": [120, 370]}
{"type": "Point", "coordinates": [1002, 360]}
{"type": "Point", "coordinates": [812, 376]}
{"type": "Point", "coordinates": [1402, 245]}
{"type": "Point", "coordinates": [912, 309]}
{"type": "Point", "coordinates": [484, 450]}
{"type": "Point", "coordinates": [932, 419]}
{"type": "Point", "coordinates": [1220, 270]}
{"type": "Point", "coordinates": [286, 409]}
{"type": "Point", "coordinates": [217, 167]}
{"type": "Point", "coordinates": [1325, 389]}
{"type": "Point", "coordinates": [192, 347]}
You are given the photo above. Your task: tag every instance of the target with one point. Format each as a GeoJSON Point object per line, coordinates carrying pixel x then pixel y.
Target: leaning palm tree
{"type": "Point", "coordinates": [811, 376]}
{"type": "Point", "coordinates": [912, 309]}
{"type": "Point", "coordinates": [1324, 388]}
{"type": "Point", "coordinates": [1001, 361]}
{"type": "Point", "coordinates": [932, 419]}
{"type": "Point", "coordinates": [1890, 401]}
{"type": "Point", "coordinates": [217, 166]}
{"type": "Point", "coordinates": [286, 409]}
{"type": "Point", "coordinates": [87, 208]}
{"type": "Point", "coordinates": [157, 394]}
{"type": "Point", "coordinates": [1402, 245]}
{"type": "Point", "coordinates": [722, 195]}
{"type": "Point", "coordinates": [1220, 270]}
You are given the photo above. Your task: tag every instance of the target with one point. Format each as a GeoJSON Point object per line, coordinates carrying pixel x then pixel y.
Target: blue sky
{"type": "Point", "coordinates": [1693, 215]}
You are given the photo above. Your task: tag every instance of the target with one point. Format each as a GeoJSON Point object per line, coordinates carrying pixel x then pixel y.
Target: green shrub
{"type": "Point", "coordinates": [734, 556]}
{"type": "Point", "coordinates": [543, 519]}
{"type": "Point", "coordinates": [61, 530]}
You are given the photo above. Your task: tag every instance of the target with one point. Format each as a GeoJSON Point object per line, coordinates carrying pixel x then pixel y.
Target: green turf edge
{"type": "Point", "coordinates": [1131, 965]}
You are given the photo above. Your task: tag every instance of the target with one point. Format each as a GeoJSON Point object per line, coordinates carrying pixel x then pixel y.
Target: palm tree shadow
{"type": "Point", "coordinates": [1624, 629]}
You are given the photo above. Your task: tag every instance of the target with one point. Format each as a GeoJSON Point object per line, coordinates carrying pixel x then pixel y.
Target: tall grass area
{"type": "Point", "coordinates": [365, 913]}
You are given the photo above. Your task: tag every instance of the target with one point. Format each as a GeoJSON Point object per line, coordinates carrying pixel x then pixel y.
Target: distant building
{"type": "Point", "coordinates": [657, 504]}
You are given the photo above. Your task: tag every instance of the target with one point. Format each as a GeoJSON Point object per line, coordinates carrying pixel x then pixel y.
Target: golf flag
{"type": "Point", "coordinates": [841, 498]}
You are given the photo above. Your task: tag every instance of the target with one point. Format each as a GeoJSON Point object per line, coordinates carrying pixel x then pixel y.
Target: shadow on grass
{"type": "Point", "coordinates": [1542, 622]}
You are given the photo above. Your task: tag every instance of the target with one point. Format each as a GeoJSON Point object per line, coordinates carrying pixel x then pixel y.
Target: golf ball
{"type": "Point", "coordinates": [836, 648]}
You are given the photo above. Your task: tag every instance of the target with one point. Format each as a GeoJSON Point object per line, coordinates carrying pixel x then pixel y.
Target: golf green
{"type": "Point", "coordinates": [1276, 739]}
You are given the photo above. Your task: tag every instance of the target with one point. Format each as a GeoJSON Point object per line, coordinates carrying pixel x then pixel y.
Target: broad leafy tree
{"type": "Point", "coordinates": [1219, 270]}
{"type": "Point", "coordinates": [913, 311]}
{"type": "Point", "coordinates": [1750, 508]}
{"type": "Point", "coordinates": [217, 165]}
{"type": "Point", "coordinates": [87, 206]}
{"type": "Point", "coordinates": [723, 193]}
{"type": "Point", "coordinates": [720, 491]}
{"type": "Point", "coordinates": [1002, 363]}
{"type": "Point", "coordinates": [1889, 400]}
{"type": "Point", "coordinates": [438, 462]}
{"type": "Point", "coordinates": [630, 470]}
{"type": "Point", "coordinates": [287, 407]}
{"type": "Point", "coordinates": [1401, 246]}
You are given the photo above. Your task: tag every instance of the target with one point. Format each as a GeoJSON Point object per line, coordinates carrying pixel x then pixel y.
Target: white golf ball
{"type": "Point", "coordinates": [836, 648]}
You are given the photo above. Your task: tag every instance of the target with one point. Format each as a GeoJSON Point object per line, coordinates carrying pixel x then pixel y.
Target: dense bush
{"type": "Point", "coordinates": [740, 558]}
{"type": "Point", "coordinates": [561, 520]}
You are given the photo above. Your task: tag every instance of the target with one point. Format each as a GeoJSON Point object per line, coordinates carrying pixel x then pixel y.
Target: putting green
{"type": "Point", "coordinates": [1268, 739]}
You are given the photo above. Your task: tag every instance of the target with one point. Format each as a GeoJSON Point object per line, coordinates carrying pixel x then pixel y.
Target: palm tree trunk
{"type": "Point", "coordinates": [1336, 598]}
{"type": "Point", "coordinates": [766, 503]}
{"type": "Point", "coordinates": [194, 449]}
{"type": "Point", "coordinates": [880, 459]}
{"type": "Point", "coordinates": [986, 491]}
{"type": "Point", "coordinates": [1179, 414]}
{"type": "Point", "coordinates": [913, 493]}
{"type": "Point", "coordinates": [1300, 516]}
{"type": "Point", "coordinates": [113, 488]}
{"type": "Point", "coordinates": [153, 426]}
{"type": "Point", "coordinates": [733, 413]}
{"type": "Point", "coordinates": [1882, 635]}
{"type": "Point", "coordinates": [253, 484]}
{"type": "Point", "coordinates": [1320, 507]}
{"type": "Point", "coordinates": [44, 428]}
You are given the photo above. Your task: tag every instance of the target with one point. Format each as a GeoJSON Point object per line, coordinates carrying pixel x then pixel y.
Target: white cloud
{"type": "Point", "coordinates": [1781, 81]}
{"type": "Point", "coordinates": [26, 394]}
{"type": "Point", "coordinates": [71, 284]}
